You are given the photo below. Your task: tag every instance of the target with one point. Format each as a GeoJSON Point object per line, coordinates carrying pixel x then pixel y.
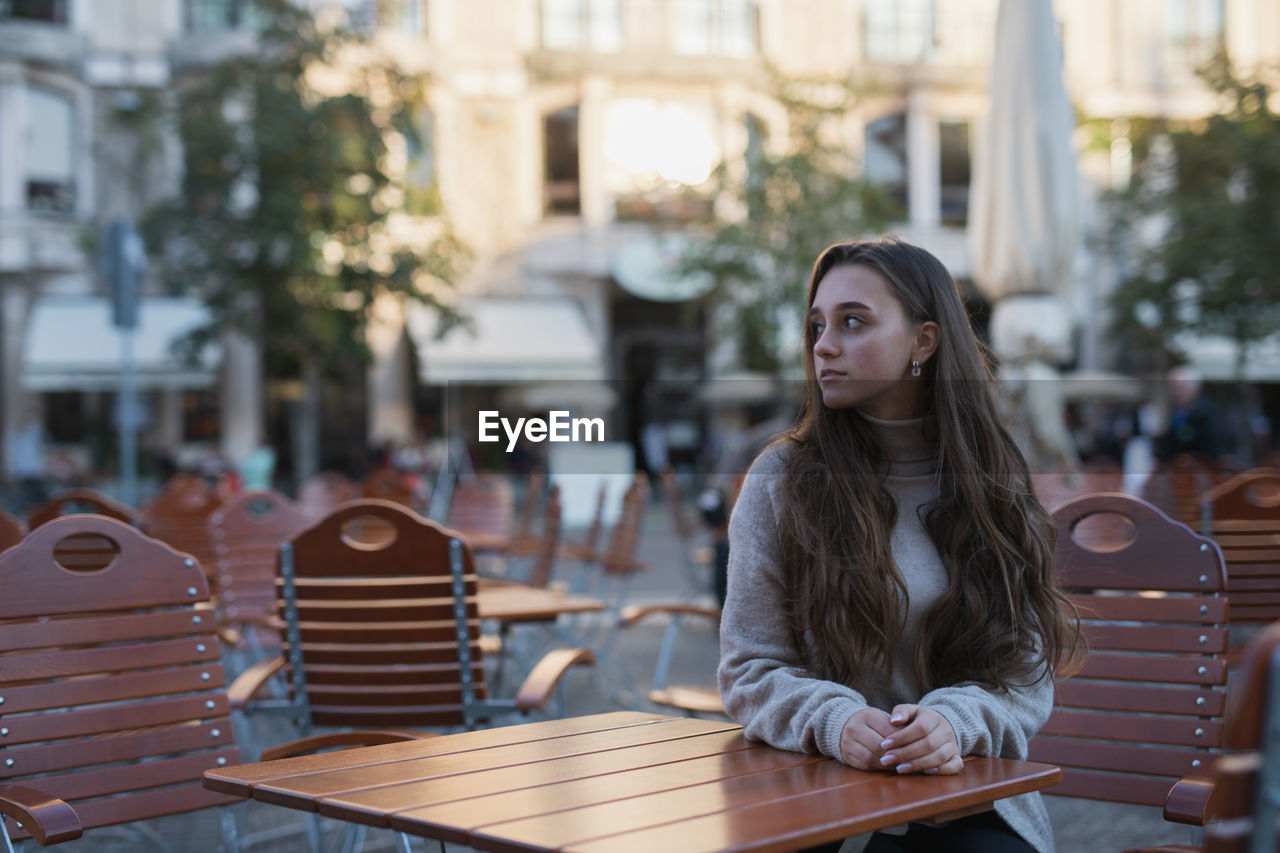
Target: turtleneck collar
{"type": "Point", "coordinates": [912, 445]}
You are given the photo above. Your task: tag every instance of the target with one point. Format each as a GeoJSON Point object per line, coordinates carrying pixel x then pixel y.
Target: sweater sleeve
{"type": "Point", "coordinates": [762, 675]}
{"type": "Point", "coordinates": [991, 723]}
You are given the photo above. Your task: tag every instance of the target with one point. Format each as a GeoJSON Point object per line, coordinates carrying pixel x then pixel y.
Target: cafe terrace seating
{"type": "Point", "coordinates": [1243, 517]}
{"type": "Point", "coordinates": [1145, 707]}
{"type": "Point", "coordinates": [386, 632]}
{"type": "Point", "coordinates": [80, 500]}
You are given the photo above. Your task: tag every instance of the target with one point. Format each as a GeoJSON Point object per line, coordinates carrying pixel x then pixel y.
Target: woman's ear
{"type": "Point", "coordinates": [927, 339]}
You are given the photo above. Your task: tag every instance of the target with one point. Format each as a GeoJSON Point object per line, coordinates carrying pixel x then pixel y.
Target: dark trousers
{"type": "Point", "coordinates": [980, 833]}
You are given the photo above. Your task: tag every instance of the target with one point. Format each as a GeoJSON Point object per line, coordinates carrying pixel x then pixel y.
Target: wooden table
{"type": "Point", "coordinates": [618, 782]}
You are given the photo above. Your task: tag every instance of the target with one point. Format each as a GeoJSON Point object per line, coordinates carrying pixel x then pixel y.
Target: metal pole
{"type": "Point", "coordinates": [128, 412]}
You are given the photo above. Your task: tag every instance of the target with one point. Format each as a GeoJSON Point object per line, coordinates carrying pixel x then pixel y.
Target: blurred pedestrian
{"type": "Point", "coordinates": [1192, 427]}
{"type": "Point", "coordinates": [891, 600]}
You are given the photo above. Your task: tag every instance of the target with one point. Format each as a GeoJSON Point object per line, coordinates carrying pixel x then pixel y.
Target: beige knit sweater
{"type": "Point", "coordinates": [763, 677]}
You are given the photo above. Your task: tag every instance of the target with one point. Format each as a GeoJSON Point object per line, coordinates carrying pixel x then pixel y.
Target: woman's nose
{"type": "Point", "coordinates": [825, 346]}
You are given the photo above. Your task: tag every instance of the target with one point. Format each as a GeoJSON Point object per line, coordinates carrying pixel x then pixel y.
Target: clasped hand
{"type": "Point", "coordinates": [912, 739]}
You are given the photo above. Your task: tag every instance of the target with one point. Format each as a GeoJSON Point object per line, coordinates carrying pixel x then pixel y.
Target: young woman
{"type": "Point", "coordinates": [890, 597]}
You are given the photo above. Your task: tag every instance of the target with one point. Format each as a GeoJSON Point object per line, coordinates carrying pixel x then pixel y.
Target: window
{"type": "Point", "coordinates": [591, 25]}
{"type": "Point", "coordinates": [954, 165]}
{"type": "Point", "coordinates": [1193, 34]}
{"type": "Point", "coordinates": [214, 16]}
{"type": "Point", "coordinates": [714, 27]}
{"type": "Point", "coordinates": [50, 147]}
{"type": "Point", "coordinates": [200, 415]}
{"type": "Point", "coordinates": [560, 140]}
{"type": "Point", "coordinates": [886, 162]}
{"type": "Point", "coordinates": [897, 31]}
{"type": "Point", "coordinates": [48, 11]}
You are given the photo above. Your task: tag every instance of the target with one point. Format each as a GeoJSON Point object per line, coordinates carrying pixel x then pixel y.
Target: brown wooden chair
{"type": "Point", "coordinates": [584, 549]}
{"type": "Point", "coordinates": [179, 516]}
{"type": "Point", "coordinates": [697, 558]}
{"type": "Point", "coordinates": [325, 492]}
{"type": "Point", "coordinates": [617, 561]}
{"type": "Point", "coordinates": [80, 500]}
{"type": "Point", "coordinates": [11, 530]}
{"type": "Point", "coordinates": [1145, 707]}
{"type": "Point", "coordinates": [112, 685]}
{"type": "Point", "coordinates": [386, 633]}
{"type": "Point", "coordinates": [481, 509]}
{"type": "Point", "coordinates": [114, 696]}
{"type": "Point", "coordinates": [247, 532]}
{"type": "Point", "coordinates": [524, 539]}
{"type": "Point", "coordinates": [1243, 517]}
{"type": "Point", "coordinates": [387, 484]}
{"type": "Point", "coordinates": [1227, 796]}
{"type": "Point", "coordinates": [692, 699]}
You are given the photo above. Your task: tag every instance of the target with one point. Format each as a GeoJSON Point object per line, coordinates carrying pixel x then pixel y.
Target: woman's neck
{"type": "Point", "coordinates": [911, 444]}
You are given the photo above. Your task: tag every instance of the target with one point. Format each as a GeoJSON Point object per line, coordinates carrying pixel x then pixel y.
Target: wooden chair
{"type": "Point", "coordinates": [11, 530]}
{"type": "Point", "coordinates": [617, 560]}
{"type": "Point", "coordinates": [387, 633]}
{"type": "Point", "coordinates": [584, 550]}
{"type": "Point", "coordinates": [113, 690]}
{"type": "Point", "coordinates": [179, 516]}
{"type": "Point", "coordinates": [696, 558]}
{"type": "Point", "coordinates": [247, 532]}
{"type": "Point", "coordinates": [524, 540]}
{"type": "Point", "coordinates": [387, 484]}
{"type": "Point", "coordinates": [80, 500]}
{"type": "Point", "coordinates": [546, 544]}
{"type": "Point", "coordinates": [1237, 795]}
{"type": "Point", "coordinates": [325, 492]}
{"type": "Point", "coordinates": [1145, 708]}
{"type": "Point", "coordinates": [692, 699]}
{"type": "Point", "coordinates": [1243, 517]}
{"type": "Point", "coordinates": [481, 509]}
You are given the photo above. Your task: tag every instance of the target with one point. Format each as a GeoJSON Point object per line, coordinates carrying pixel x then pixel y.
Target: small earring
{"type": "Point", "coordinates": [915, 368]}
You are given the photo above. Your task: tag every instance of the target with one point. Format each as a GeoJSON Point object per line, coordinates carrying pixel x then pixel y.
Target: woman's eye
{"type": "Point", "coordinates": [852, 322]}
{"type": "Point", "coordinates": [816, 328]}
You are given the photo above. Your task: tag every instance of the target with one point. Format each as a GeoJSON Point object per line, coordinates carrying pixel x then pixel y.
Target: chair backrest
{"type": "Point", "coordinates": [382, 633]}
{"type": "Point", "coordinates": [619, 554]}
{"type": "Point", "coordinates": [247, 532]}
{"type": "Point", "coordinates": [1146, 705]}
{"type": "Point", "coordinates": [323, 493]}
{"type": "Point", "coordinates": [1245, 781]}
{"type": "Point", "coordinates": [387, 484]}
{"type": "Point", "coordinates": [80, 500]}
{"type": "Point", "coordinates": [482, 508]}
{"type": "Point", "coordinates": [179, 516]}
{"type": "Point", "coordinates": [1243, 517]}
{"type": "Point", "coordinates": [11, 530]}
{"type": "Point", "coordinates": [529, 506]}
{"type": "Point", "coordinates": [675, 507]}
{"type": "Point", "coordinates": [548, 542]}
{"type": "Point", "coordinates": [113, 691]}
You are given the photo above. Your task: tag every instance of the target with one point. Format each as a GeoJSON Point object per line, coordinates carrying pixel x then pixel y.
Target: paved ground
{"type": "Point", "coordinates": [1080, 826]}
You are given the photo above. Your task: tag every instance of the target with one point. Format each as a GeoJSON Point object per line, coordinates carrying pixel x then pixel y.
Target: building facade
{"type": "Point", "coordinates": [560, 135]}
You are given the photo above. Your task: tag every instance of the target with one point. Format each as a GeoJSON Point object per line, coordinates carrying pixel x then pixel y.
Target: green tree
{"type": "Point", "coordinates": [793, 204]}
{"type": "Point", "coordinates": [286, 221]}
{"type": "Point", "coordinates": [1201, 215]}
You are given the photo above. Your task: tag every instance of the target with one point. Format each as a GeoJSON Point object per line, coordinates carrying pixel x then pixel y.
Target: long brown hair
{"type": "Point", "coordinates": [1001, 621]}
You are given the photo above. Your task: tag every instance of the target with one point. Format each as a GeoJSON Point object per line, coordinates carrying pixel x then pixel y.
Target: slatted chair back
{"type": "Point", "coordinates": [382, 633]}
{"type": "Point", "coordinates": [387, 484]}
{"type": "Point", "coordinates": [11, 530]}
{"type": "Point", "coordinates": [247, 532]}
{"type": "Point", "coordinates": [1145, 707]}
{"type": "Point", "coordinates": [323, 493]}
{"type": "Point", "coordinates": [80, 500]}
{"type": "Point", "coordinates": [619, 555]}
{"type": "Point", "coordinates": [548, 541]}
{"type": "Point", "coordinates": [179, 516]}
{"type": "Point", "coordinates": [585, 548]}
{"type": "Point", "coordinates": [113, 692]}
{"type": "Point", "coordinates": [482, 508]}
{"type": "Point", "coordinates": [1243, 517]}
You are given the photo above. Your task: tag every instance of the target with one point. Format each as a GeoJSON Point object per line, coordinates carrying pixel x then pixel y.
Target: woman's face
{"type": "Point", "coordinates": [863, 345]}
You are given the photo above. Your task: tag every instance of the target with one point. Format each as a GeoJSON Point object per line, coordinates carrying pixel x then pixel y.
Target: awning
{"type": "Point", "coordinates": [516, 339]}
{"type": "Point", "coordinates": [72, 345]}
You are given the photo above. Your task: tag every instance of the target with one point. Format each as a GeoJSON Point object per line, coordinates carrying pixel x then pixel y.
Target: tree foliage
{"type": "Point", "coordinates": [291, 217]}
{"type": "Point", "coordinates": [1201, 215]}
{"type": "Point", "coordinates": [794, 202]}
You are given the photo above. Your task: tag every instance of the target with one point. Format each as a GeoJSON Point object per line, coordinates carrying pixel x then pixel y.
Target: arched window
{"type": "Point", "coordinates": [49, 142]}
{"type": "Point", "coordinates": [886, 157]}
{"type": "Point", "coordinates": [592, 25]}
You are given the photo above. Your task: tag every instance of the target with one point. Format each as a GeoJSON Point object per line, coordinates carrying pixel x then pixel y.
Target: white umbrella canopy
{"type": "Point", "coordinates": [1023, 197]}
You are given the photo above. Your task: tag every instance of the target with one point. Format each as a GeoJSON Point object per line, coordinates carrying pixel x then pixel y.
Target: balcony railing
{"type": "Point", "coordinates": [44, 11]}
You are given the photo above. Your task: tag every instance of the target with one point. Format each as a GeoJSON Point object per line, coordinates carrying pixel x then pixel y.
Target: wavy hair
{"type": "Point", "coordinates": [1002, 621]}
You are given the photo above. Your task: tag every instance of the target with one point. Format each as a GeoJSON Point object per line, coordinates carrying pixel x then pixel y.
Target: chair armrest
{"type": "Point", "coordinates": [536, 689]}
{"type": "Point", "coordinates": [1188, 801]}
{"type": "Point", "coordinates": [631, 615]}
{"type": "Point", "coordinates": [48, 819]}
{"type": "Point", "coordinates": [1198, 799]}
{"type": "Point", "coordinates": [315, 743]}
{"type": "Point", "coordinates": [247, 685]}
